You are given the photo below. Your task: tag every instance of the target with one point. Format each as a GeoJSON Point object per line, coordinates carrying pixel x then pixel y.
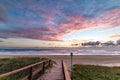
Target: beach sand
{"type": "Point", "coordinates": [55, 73]}
{"type": "Point", "coordinates": [104, 60]}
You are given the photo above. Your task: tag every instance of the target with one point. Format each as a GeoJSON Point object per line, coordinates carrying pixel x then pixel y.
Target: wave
{"type": "Point", "coordinates": [62, 52]}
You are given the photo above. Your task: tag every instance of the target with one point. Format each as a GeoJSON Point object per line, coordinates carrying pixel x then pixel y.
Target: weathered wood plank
{"type": "Point", "coordinates": [65, 71]}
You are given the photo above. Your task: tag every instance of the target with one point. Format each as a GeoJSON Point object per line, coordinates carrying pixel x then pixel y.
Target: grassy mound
{"type": "Point", "coordinates": [91, 72]}
{"type": "Point", "coordinates": [10, 64]}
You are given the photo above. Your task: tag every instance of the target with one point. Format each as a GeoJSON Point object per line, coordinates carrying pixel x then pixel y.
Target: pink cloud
{"type": "Point", "coordinates": [111, 17]}
{"type": "Point", "coordinates": [114, 37]}
{"type": "Point", "coordinates": [74, 23]}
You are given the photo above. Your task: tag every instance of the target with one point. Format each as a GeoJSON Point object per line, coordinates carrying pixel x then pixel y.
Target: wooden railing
{"type": "Point", "coordinates": [65, 71]}
{"type": "Point", "coordinates": [31, 72]}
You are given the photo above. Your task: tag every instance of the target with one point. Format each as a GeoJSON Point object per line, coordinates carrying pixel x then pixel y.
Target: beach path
{"type": "Point", "coordinates": [54, 73]}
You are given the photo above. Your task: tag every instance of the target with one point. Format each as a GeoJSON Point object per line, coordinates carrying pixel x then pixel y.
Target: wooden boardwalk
{"type": "Point", "coordinates": [59, 71]}
{"type": "Point", "coordinates": [54, 73]}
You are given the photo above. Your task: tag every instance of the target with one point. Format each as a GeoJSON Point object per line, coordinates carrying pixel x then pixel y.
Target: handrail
{"type": "Point", "coordinates": [24, 68]}
{"type": "Point", "coordinates": [36, 71]}
{"type": "Point", "coordinates": [65, 71]}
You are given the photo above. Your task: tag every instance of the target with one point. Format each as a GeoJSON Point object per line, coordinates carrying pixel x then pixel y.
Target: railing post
{"type": "Point", "coordinates": [30, 76]}
{"type": "Point", "coordinates": [43, 67]}
{"type": "Point", "coordinates": [71, 54]}
{"type": "Point", "coordinates": [63, 69]}
{"type": "Point", "coordinates": [50, 63]}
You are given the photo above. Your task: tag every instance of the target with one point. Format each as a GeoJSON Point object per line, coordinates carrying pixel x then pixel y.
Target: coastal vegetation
{"type": "Point", "coordinates": [10, 64]}
{"type": "Point", "coordinates": [95, 72]}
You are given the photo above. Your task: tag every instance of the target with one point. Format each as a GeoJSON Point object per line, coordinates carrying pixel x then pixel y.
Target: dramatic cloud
{"type": "Point", "coordinates": [111, 17]}
{"type": "Point", "coordinates": [3, 37]}
{"type": "Point", "coordinates": [50, 20]}
{"type": "Point", "coordinates": [3, 14]}
{"type": "Point", "coordinates": [4, 9]}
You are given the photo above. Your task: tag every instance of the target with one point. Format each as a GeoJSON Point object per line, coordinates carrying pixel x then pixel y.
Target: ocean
{"type": "Point", "coordinates": [75, 51]}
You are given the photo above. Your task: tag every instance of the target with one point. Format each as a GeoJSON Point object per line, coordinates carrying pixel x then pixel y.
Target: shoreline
{"type": "Point", "coordinates": [56, 55]}
{"type": "Point", "coordinates": [38, 55]}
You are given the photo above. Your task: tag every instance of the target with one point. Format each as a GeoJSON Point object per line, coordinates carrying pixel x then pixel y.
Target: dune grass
{"type": "Point", "coordinates": [10, 64]}
{"type": "Point", "coordinates": [92, 72]}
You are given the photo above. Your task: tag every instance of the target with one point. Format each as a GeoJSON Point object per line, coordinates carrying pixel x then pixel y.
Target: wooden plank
{"type": "Point", "coordinates": [65, 71]}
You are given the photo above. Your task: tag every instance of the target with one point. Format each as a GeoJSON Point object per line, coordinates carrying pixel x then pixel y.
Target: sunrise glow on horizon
{"type": "Point", "coordinates": [58, 23]}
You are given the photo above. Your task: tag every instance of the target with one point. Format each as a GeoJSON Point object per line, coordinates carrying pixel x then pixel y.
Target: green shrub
{"type": "Point", "coordinates": [92, 72]}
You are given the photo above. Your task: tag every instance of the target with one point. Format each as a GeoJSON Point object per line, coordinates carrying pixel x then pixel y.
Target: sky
{"type": "Point", "coordinates": [57, 23]}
